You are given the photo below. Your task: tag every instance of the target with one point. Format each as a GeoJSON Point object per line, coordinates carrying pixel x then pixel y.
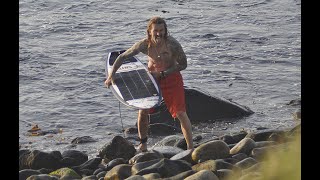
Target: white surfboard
{"type": "Point", "coordinates": [133, 85]}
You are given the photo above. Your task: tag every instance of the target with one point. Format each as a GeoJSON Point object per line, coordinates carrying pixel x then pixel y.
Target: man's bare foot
{"type": "Point", "coordinates": [142, 147]}
{"type": "Point", "coordinates": [191, 149]}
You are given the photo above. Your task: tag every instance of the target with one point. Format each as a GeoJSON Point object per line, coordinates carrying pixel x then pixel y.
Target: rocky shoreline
{"type": "Point", "coordinates": [242, 155]}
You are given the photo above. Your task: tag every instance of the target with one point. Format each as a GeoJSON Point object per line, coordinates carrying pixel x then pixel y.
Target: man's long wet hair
{"type": "Point", "coordinates": [156, 20]}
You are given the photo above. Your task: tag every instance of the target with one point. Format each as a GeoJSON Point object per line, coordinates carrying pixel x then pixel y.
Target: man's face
{"type": "Point", "coordinates": [157, 33]}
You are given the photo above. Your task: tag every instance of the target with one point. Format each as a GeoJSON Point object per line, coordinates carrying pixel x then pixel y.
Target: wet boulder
{"type": "Point", "coordinates": [202, 106]}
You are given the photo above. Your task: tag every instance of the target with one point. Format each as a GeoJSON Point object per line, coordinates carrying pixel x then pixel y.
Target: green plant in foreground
{"type": "Point", "coordinates": [279, 163]}
{"type": "Point", "coordinates": [283, 163]}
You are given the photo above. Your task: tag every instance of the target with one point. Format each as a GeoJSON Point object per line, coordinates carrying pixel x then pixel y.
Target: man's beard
{"type": "Point", "coordinates": [158, 39]}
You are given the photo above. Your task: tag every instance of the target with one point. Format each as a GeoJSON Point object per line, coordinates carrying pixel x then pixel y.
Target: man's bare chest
{"type": "Point", "coordinates": [160, 54]}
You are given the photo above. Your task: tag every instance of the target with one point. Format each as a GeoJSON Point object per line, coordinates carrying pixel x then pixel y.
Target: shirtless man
{"type": "Point", "coordinates": [166, 60]}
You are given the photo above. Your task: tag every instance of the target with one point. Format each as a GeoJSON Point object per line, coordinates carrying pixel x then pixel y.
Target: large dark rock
{"type": "Point", "coordinates": [201, 107]}
{"type": "Point", "coordinates": [36, 159]}
{"type": "Point", "coordinates": [119, 147]}
{"type": "Point", "coordinates": [166, 168]}
{"type": "Point", "coordinates": [73, 158]}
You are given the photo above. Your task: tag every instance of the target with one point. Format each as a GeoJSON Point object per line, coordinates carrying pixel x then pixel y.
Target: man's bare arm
{"type": "Point", "coordinates": [134, 50]}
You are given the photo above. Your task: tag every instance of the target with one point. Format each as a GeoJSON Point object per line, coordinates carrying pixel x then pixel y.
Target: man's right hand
{"type": "Point", "coordinates": [108, 82]}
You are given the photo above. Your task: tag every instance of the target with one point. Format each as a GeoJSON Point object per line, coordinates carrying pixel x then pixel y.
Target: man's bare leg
{"type": "Point", "coordinates": [186, 128]}
{"type": "Point", "coordinates": [143, 126]}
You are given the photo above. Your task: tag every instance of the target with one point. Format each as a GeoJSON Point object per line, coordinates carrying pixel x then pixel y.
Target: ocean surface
{"type": "Point", "coordinates": [245, 50]}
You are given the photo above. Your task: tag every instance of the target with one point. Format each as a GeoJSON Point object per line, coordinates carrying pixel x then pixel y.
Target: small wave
{"type": "Point", "coordinates": [77, 7]}
{"type": "Point", "coordinates": [253, 4]}
{"type": "Point", "coordinates": [23, 78]}
{"type": "Point", "coordinates": [259, 40]}
{"type": "Point", "coordinates": [206, 36]}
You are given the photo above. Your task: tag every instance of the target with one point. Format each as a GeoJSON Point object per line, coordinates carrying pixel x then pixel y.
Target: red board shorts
{"type": "Point", "coordinates": [173, 93]}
